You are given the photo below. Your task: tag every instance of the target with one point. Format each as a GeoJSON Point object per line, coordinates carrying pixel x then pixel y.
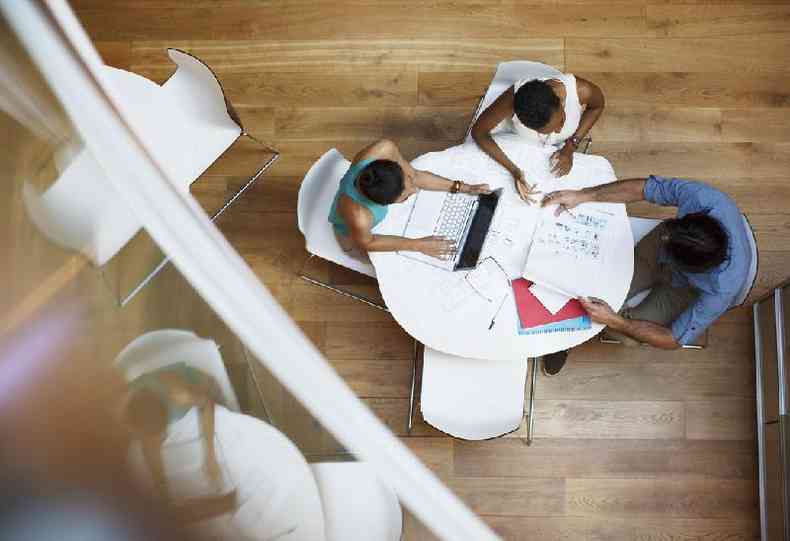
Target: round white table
{"type": "Point", "coordinates": [417, 293]}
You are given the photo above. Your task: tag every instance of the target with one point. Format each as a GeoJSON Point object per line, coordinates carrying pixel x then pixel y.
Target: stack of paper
{"type": "Point", "coordinates": [534, 318]}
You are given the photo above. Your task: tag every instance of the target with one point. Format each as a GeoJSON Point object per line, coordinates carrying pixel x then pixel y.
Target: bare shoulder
{"type": "Point", "coordinates": [383, 149]}
{"type": "Point", "coordinates": [587, 91]}
{"type": "Point", "coordinates": [354, 213]}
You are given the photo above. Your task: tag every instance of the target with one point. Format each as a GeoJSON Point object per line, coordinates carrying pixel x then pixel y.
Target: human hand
{"type": "Point", "coordinates": [562, 161]}
{"type": "Point", "coordinates": [600, 311]}
{"type": "Point", "coordinates": [435, 246]}
{"type": "Point", "coordinates": [476, 189]}
{"type": "Point", "coordinates": [564, 199]}
{"type": "Point", "coordinates": [526, 191]}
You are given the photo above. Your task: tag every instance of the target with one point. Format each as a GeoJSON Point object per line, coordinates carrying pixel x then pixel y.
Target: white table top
{"type": "Point", "coordinates": [416, 292]}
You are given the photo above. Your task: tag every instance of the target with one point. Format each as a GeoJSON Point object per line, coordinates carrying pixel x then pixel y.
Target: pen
{"type": "Point", "coordinates": [566, 209]}
{"type": "Point", "coordinates": [493, 319]}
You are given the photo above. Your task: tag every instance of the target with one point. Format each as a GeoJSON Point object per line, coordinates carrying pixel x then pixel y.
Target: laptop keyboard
{"type": "Point", "coordinates": [453, 216]}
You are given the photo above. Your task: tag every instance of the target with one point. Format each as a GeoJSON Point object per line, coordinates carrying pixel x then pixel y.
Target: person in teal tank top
{"type": "Point", "coordinates": [160, 398]}
{"type": "Point", "coordinates": [379, 176]}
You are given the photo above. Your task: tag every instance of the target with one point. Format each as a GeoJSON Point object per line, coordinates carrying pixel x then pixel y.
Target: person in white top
{"type": "Point", "coordinates": [547, 112]}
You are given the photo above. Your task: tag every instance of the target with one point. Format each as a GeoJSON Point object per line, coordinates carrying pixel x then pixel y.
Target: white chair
{"type": "Point", "coordinates": [640, 227]}
{"type": "Point", "coordinates": [187, 123]}
{"type": "Point", "coordinates": [316, 195]}
{"type": "Point", "coordinates": [473, 399]}
{"type": "Point", "coordinates": [357, 505]}
{"type": "Point", "coordinates": [158, 349]}
{"type": "Point", "coordinates": [507, 74]}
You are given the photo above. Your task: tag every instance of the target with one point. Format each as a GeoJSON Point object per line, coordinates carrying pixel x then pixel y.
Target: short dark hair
{"type": "Point", "coordinates": [534, 103]}
{"type": "Point", "coordinates": [382, 181]}
{"type": "Point", "coordinates": [697, 242]}
{"type": "Point", "coordinates": [146, 412]}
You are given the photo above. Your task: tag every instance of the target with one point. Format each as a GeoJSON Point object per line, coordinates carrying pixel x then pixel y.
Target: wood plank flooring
{"type": "Point", "coordinates": [631, 444]}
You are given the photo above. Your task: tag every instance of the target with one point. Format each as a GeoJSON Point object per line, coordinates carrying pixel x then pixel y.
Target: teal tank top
{"type": "Point", "coordinates": [348, 188]}
{"type": "Point", "coordinates": [150, 381]}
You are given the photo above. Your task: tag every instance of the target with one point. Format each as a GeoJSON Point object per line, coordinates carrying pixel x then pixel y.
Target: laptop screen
{"type": "Point", "coordinates": [487, 204]}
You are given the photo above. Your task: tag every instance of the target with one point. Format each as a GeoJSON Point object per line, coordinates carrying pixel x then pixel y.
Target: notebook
{"type": "Point", "coordinates": [534, 318]}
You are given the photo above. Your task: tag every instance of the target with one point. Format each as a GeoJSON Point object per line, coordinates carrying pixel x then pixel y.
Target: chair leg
{"type": "Point", "coordinates": [228, 203]}
{"type": "Point", "coordinates": [531, 411]}
{"type": "Point", "coordinates": [254, 378]}
{"type": "Point", "coordinates": [338, 290]}
{"type": "Point", "coordinates": [410, 421]}
{"type": "Point", "coordinates": [587, 141]}
{"type": "Point", "coordinates": [251, 181]}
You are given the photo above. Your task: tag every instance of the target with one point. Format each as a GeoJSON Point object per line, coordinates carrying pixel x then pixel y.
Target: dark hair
{"type": "Point", "coordinates": [382, 181]}
{"type": "Point", "coordinates": [534, 103]}
{"type": "Point", "coordinates": [696, 242]}
{"type": "Point", "coordinates": [146, 412]}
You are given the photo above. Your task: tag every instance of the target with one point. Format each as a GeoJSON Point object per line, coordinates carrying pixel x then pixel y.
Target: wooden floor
{"type": "Point", "coordinates": [631, 445]}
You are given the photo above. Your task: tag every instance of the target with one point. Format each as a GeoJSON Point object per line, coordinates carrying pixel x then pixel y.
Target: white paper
{"type": "Point", "coordinates": [488, 280]}
{"type": "Point", "coordinates": [454, 292]}
{"type": "Point", "coordinates": [568, 251]}
{"type": "Point", "coordinates": [549, 298]}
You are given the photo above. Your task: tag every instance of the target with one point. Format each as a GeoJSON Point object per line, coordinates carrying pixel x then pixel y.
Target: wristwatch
{"type": "Point", "coordinates": [575, 141]}
{"type": "Point", "coordinates": [456, 187]}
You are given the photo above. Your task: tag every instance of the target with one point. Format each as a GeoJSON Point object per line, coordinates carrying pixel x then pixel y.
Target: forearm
{"type": "Point", "coordinates": [207, 428]}
{"type": "Point", "coordinates": [205, 508]}
{"type": "Point", "coordinates": [152, 453]}
{"type": "Point", "coordinates": [431, 181]}
{"type": "Point", "coordinates": [389, 243]}
{"type": "Point", "coordinates": [489, 146]}
{"type": "Point", "coordinates": [588, 120]}
{"type": "Point", "coordinates": [646, 332]}
{"type": "Point", "coordinates": [621, 191]}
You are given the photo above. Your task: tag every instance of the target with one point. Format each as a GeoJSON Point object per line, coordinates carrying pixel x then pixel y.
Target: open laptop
{"type": "Point", "coordinates": [464, 219]}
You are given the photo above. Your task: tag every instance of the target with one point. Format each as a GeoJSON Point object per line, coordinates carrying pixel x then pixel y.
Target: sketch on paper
{"type": "Point", "coordinates": [578, 236]}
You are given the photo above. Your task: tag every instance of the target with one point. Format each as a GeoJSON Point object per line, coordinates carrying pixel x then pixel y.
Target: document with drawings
{"type": "Point", "coordinates": [568, 251]}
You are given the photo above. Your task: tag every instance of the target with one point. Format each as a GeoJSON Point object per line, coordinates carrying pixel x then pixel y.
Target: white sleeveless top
{"type": "Point", "coordinates": [573, 114]}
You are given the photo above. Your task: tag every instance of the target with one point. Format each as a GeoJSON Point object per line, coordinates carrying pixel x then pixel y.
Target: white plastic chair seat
{"type": "Point", "coordinates": [181, 125]}
{"type": "Point", "coordinates": [157, 349]}
{"type": "Point", "coordinates": [82, 211]}
{"type": "Point", "coordinates": [316, 195]}
{"type": "Point", "coordinates": [357, 505]}
{"type": "Point", "coordinates": [277, 490]}
{"type": "Point", "coordinates": [185, 125]}
{"type": "Point", "coordinates": [472, 399]}
{"type": "Point", "coordinates": [507, 74]}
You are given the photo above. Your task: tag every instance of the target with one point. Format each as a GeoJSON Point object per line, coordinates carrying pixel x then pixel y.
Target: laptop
{"type": "Point", "coordinates": [462, 218]}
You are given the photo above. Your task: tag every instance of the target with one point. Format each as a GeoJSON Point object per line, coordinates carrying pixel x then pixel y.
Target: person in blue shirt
{"type": "Point", "coordinates": [379, 176]}
{"type": "Point", "coordinates": [695, 264]}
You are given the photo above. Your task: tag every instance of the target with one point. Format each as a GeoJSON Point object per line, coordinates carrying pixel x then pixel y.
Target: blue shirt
{"type": "Point", "coordinates": [348, 187]}
{"type": "Point", "coordinates": [718, 288]}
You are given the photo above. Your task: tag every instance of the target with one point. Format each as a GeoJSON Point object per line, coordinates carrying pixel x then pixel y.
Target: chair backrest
{"type": "Point", "coordinates": [470, 398]}
{"type": "Point", "coordinates": [507, 73]}
{"type": "Point", "coordinates": [316, 195]}
{"type": "Point", "coordinates": [157, 349]}
{"type": "Point", "coordinates": [321, 181]}
{"type": "Point", "coordinates": [642, 226]}
{"type": "Point", "coordinates": [199, 91]}
{"type": "Point", "coordinates": [755, 265]}
{"type": "Point", "coordinates": [81, 211]}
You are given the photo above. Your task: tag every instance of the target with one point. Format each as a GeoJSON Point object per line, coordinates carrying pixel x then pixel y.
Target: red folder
{"type": "Point", "coordinates": [531, 311]}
